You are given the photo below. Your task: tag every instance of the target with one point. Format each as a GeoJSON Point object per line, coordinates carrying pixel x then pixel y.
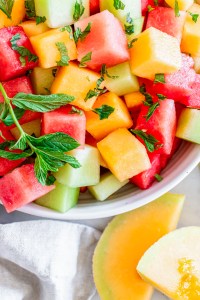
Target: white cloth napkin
{"type": "Point", "coordinates": [47, 260]}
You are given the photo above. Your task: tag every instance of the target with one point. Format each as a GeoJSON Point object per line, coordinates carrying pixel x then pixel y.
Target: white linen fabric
{"type": "Point", "coordinates": [47, 260]}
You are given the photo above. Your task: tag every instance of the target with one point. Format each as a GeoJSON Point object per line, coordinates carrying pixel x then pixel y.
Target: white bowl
{"type": "Point", "coordinates": [129, 197]}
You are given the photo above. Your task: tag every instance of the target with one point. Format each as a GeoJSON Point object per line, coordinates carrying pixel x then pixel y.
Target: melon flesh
{"type": "Point", "coordinates": [124, 242]}
{"type": "Point", "coordinates": [172, 265]}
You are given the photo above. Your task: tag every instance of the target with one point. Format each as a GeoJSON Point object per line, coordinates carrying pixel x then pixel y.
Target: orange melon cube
{"type": "Point", "coordinates": [119, 118]}
{"type": "Point", "coordinates": [155, 52]}
{"type": "Point", "coordinates": [182, 4]}
{"type": "Point", "coordinates": [190, 42]}
{"type": "Point", "coordinates": [17, 15]}
{"type": "Point", "coordinates": [124, 154]}
{"type": "Point", "coordinates": [31, 28]}
{"type": "Point", "coordinates": [45, 47]}
{"type": "Point", "coordinates": [134, 100]}
{"type": "Point", "coordinates": [76, 82]}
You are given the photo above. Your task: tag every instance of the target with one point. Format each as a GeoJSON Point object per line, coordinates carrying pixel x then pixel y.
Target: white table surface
{"type": "Point", "coordinates": [190, 216]}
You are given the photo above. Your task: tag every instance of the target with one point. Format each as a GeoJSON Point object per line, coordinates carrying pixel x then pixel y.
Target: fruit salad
{"type": "Point", "coordinates": [94, 95]}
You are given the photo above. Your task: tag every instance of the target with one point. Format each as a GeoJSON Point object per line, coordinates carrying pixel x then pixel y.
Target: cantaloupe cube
{"type": "Point", "coordinates": [182, 4]}
{"type": "Point", "coordinates": [17, 15]}
{"type": "Point", "coordinates": [45, 47]}
{"type": "Point", "coordinates": [32, 29]}
{"type": "Point", "coordinates": [190, 42]}
{"type": "Point", "coordinates": [119, 118]}
{"type": "Point", "coordinates": [77, 82]}
{"type": "Point", "coordinates": [196, 64]}
{"type": "Point", "coordinates": [124, 154]}
{"type": "Point", "coordinates": [134, 100]}
{"type": "Point", "coordinates": [155, 52]}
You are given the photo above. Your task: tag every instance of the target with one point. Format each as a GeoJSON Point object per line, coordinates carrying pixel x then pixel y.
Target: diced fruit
{"type": "Point", "coordinates": [106, 46]}
{"type": "Point", "coordinates": [189, 125]}
{"type": "Point", "coordinates": [134, 100]}
{"type": "Point", "coordinates": [182, 4]}
{"type": "Point", "coordinates": [94, 7]}
{"type": "Point", "coordinates": [164, 158]}
{"type": "Point", "coordinates": [191, 35]}
{"type": "Point", "coordinates": [62, 13]}
{"type": "Point", "coordinates": [17, 15]}
{"type": "Point", "coordinates": [31, 28]}
{"type": "Point", "coordinates": [150, 3]}
{"type": "Point", "coordinates": [76, 82]}
{"type": "Point", "coordinates": [48, 40]}
{"type": "Point", "coordinates": [147, 57]}
{"type": "Point", "coordinates": [196, 64]}
{"type": "Point", "coordinates": [159, 126]}
{"type": "Point", "coordinates": [123, 243]}
{"type": "Point", "coordinates": [172, 264]}
{"type": "Point", "coordinates": [21, 187]}
{"type": "Point", "coordinates": [107, 186]}
{"type": "Point", "coordinates": [42, 79]}
{"type": "Point", "coordinates": [33, 127]}
{"type": "Point", "coordinates": [28, 116]}
{"type": "Point", "coordinates": [61, 199]}
{"type": "Point", "coordinates": [193, 100]}
{"type": "Point", "coordinates": [10, 64]}
{"type": "Point", "coordinates": [90, 140]}
{"type": "Point", "coordinates": [120, 80]}
{"type": "Point", "coordinates": [87, 174]}
{"type": "Point", "coordinates": [124, 154]}
{"type": "Point", "coordinates": [65, 120]}
{"type": "Point", "coordinates": [120, 117]}
{"type": "Point", "coordinates": [164, 19]}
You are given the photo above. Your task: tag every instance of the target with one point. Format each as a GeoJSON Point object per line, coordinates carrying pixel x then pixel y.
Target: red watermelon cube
{"type": "Point", "coordinates": [21, 187]}
{"type": "Point", "coordinates": [67, 121]}
{"type": "Point", "coordinates": [94, 7]}
{"type": "Point", "coordinates": [164, 158]}
{"type": "Point", "coordinates": [150, 3]}
{"type": "Point", "coordinates": [106, 40]}
{"type": "Point", "coordinates": [10, 64]}
{"type": "Point", "coordinates": [162, 124]}
{"type": "Point", "coordinates": [164, 19]}
{"type": "Point", "coordinates": [194, 99]}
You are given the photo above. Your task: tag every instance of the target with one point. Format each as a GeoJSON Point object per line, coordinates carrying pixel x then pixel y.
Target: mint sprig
{"type": "Point", "coordinates": [150, 141]}
{"type": "Point", "coordinates": [118, 4]}
{"type": "Point", "coordinates": [78, 10]}
{"type": "Point", "coordinates": [6, 7]}
{"type": "Point", "coordinates": [64, 60]}
{"type": "Point", "coordinates": [104, 111]}
{"type": "Point", "coordinates": [78, 34]}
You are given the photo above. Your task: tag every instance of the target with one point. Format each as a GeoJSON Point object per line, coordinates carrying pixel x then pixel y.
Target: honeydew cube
{"type": "Point", "coordinates": [124, 154]}
{"type": "Point", "coordinates": [60, 13]}
{"type": "Point", "coordinates": [33, 127]}
{"type": "Point", "coordinates": [120, 117]}
{"type": "Point", "coordinates": [31, 28]}
{"type": "Point", "coordinates": [121, 81]}
{"type": "Point", "coordinates": [44, 45]}
{"type": "Point", "coordinates": [107, 186]}
{"type": "Point", "coordinates": [61, 199]}
{"type": "Point", "coordinates": [182, 4]}
{"type": "Point", "coordinates": [42, 79]}
{"type": "Point", "coordinates": [87, 174]}
{"type": "Point", "coordinates": [76, 82]}
{"type": "Point", "coordinates": [189, 125]}
{"type": "Point", "coordinates": [153, 53]}
{"type": "Point", "coordinates": [134, 100]}
{"type": "Point", "coordinates": [190, 42]}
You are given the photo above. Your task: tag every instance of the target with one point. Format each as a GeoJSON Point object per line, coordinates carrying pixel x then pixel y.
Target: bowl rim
{"type": "Point", "coordinates": [108, 208]}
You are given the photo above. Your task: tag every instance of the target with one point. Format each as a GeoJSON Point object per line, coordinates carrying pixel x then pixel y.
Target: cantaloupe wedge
{"type": "Point", "coordinates": [124, 242]}
{"type": "Point", "coordinates": [173, 264]}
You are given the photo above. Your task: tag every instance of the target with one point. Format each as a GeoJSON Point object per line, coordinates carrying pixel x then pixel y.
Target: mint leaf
{"type": "Point", "coordinates": [161, 96]}
{"type": "Point", "coordinates": [64, 61]}
{"type": "Point", "coordinates": [78, 34]}
{"type": "Point", "coordinates": [97, 90]}
{"type": "Point", "coordinates": [158, 177]}
{"type": "Point", "coordinates": [6, 7]}
{"type": "Point", "coordinates": [118, 5]}
{"type": "Point", "coordinates": [20, 144]}
{"type": "Point", "coordinates": [159, 78]}
{"type": "Point", "coordinates": [75, 110]}
{"type": "Point", "coordinates": [67, 28]}
{"type": "Point", "coordinates": [40, 19]}
{"type": "Point", "coordinates": [85, 59]}
{"type": "Point", "coordinates": [104, 72]}
{"type": "Point", "coordinates": [150, 141]}
{"type": "Point", "coordinates": [129, 29]}
{"type": "Point", "coordinates": [13, 155]}
{"type": "Point", "coordinates": [104, 111]}
{"type": "Point", "coordinates": [194, 16]}
{"type": "Point", "coordinates": [176, 9]}
{"type": "Point", "coordinates": [8, 120]}
{"type": "Point", "coordinates": [130, 44]}
{"type": "Point", "coordinates": [78, 10]}
{"type": "Point", "coordinates": [150, 8]}
{"type": "Point", "coordinates": [151, 110]}
{"type": "Point", "coordinates": [30, 8]}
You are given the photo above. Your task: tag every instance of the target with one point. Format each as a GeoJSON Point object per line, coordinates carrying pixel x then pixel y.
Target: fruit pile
{"type": "Point", "coordinates": [88, 86]}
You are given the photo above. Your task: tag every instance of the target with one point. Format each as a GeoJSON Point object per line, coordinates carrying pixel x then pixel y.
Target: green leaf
{"type": "Point", "coordinates": [118, 5]}
{"type": "Point", "coordinates": [194, 16]}
{"type": "Point", "coordinates": [6, 7]}
{"type": "Point", "coordinates": [39, 19]}
{"type": "Point", "coordinates": [130, 44]}
{"type": "Point", "coordinates": [161, 96]}
{"type": "Point", "coordinates": [78, 34]}
{"type": "Point", "coordinates": [41, 103]}
{"type": "Point", "coordinates": [8, 120]}
{"type": "Point", "coordinates": [97, 90]}
{"type": "Point", "coordinates": [150, 141]}
{"type": "Point", "coordinates": [158, 177]}
{"type": "Point", "coordinates": [75, 110]}
{"type": "Point", "coordinates": [151, 110]}
{"type": "Point", "coordinates": [69, 29]}
{"type": "Point", "coordinates": [129, 29]}
{"type": "Point", "coordinates": [155, 2]}
{"type": "Point", "coordinates": [104, 72]}
{"type": "Point", "coordinates": [150, 8]}
{"type": "Point", "coordinates": [30, 8]}
{"type": "Point", "coordinates": [85, 59]}
{"type": "Point", "coordinates": [104, 111]}
{"type": "Point", "coordinates": [64, 61]}
{"type": "Point", "coordinates": [20, 144]}
{"type": "Point", "coordinates": [78, 10]}
{"type": "Point", "coordinates": [176, 9]}
{"type": "Point", "coordinates": [91, 94]}
{"type": "Point", "coordinates": [159, 78]}
{"type": "Point", "coordinates": [13, 155]}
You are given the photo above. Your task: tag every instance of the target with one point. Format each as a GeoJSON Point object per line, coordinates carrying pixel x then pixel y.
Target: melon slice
{"type": "Point", "coordinates": [124, 242]}
{"type": "Point", "coordinates": [172, 264]}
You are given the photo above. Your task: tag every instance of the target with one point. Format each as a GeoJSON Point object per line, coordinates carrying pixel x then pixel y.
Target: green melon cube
{"type": "Point", "coordinates": [42, 80]}
{"type": "Point", "coordinates": [61, 199]}
{"type": "Point", "coordinates": [60, 13]}
{"type": "Point", "coordinates": [87, 174]}
{"type": "Point", "coordinates": [189, 125]}
{"type": "Point", "coordinates": [125, 83]}
{"type": "Point", "coordinates": [107, 186]}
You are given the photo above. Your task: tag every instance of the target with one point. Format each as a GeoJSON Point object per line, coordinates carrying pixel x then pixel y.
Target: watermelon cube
{"type": "Point", "coordinates": [21, 187]}
{"type": "Point", "coordinates": [164, 19]}
{"type": "Point", "coordinates": [193, 100]}
{"type": "Point", "coordinates": [106, 46]}
{"type": "Point", "coordinates": [65, 120]}
{"type": "Point", "coordinates": [162, 124]}
{"type": "Point", "coordinates": [94, 7]}
{"type": "Point", "coordinates": [10, 64]}
{"type": "Point", "coordinates": [150, 3]}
